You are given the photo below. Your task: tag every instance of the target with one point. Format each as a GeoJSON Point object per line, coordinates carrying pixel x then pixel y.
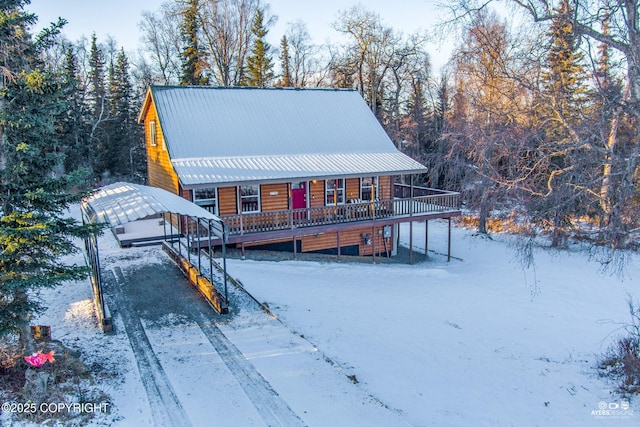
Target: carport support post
{"type": "Point", "coordinates": [199, 249]}
{"type": "Point", "coordinates": [211, 254]}
{"type": "Point", "coordinates": [224, 261]}
{"type": "Point", "coordinates": [164, 225]}
{"type": "Point", "coordinates": [188, 241]}
{"type": "Point", "coordinates": [179, 236]}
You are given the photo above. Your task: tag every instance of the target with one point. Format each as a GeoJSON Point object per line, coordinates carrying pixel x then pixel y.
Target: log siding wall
{"type": "Point", "coordinates": [160, 171]}
{"type": "Point", "coordinates": [274, 197]}
{"type": "Point", "coordinates": [352, 189]}
{"type": "Point", "coordinates": [227, 201]}
{"type": "Point", "coordinates": [347, 238]}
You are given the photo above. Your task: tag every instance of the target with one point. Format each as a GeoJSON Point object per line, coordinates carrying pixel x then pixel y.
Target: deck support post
{"type": "Point", "coordinates": [338, 244]}
{"type": "Point", "coordinates": [290, 201]}
{"type": "Point", "coordinates": [239, 210]}
{"type": "Point", "coordinates": [449, 241]}
{"type": "Point", "coordinates": [411, 207]}
{"type": "Point", "coordinates": [426, 238]}
{"type": "Point", "coordinates": [411, 242]}
{"type": "Point", "coordinates": [373, 243]}
{"type": "Point", "coordinates": [295, 248]}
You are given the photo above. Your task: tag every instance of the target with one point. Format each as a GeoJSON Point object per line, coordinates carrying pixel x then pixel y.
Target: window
{"type": "Point", "coordinates": [205, 198]}
{"type": "Point", "coordinates": [153, 134]}
{"type": "Point", "coordinates": [334, 191]}
{"type": "Point", "coordinates": [250, 198]}
{"type": "Point", "coordinates": [369, 188]}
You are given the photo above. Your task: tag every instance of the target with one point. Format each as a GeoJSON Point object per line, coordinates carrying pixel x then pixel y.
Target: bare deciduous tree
{"type": "Point", "coordinates": [485, 141]}
{"type": "Point", "coordinates": [226, 27]}
{"type": "Point", "coordinates": [304, 61]}
{"type": "Point", "coordinates": [162, 43]}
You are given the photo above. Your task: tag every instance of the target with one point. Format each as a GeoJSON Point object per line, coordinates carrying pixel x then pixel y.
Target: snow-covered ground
{"type": "Point", "coordinates": [475, 342]}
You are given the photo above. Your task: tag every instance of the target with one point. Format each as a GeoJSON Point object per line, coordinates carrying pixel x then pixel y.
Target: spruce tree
{"type": "Point", "coordinates": [561, 110]}
{"type": "Point", "coordinates": [259, 64]}
{"type": "Point", "coordinates": [192, 62]}
{"type": "Point", "coordinates": [285, 60]}
{"type": "Point", "coordinates": [97, 91]}
{"type": "Point", "coordinates": [97, 97]}
{"type": "Point", "coordinates": [34, 232]}
{"type": "Point", "coordinates": [564, 79]}
{"type": "Point", "coordinates": [123, 129]}
{"type": "Point", "coordinates": [74, 127]}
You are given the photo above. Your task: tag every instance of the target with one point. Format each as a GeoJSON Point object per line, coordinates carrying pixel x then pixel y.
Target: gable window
{"type": "Point", "coordinates": [369, 188]}
{"type": "Point", "coordinates": [153, 135]}
{"type": "Point", "coordinates": [206, 198]}
{"type": "Point", "coordinates": [250, 198]}
{"type": "Point", "coordinates": [334, 192]}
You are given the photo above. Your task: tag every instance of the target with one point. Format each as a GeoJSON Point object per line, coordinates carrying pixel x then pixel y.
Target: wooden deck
{"type": "Point", "coordinates": [299, 222]}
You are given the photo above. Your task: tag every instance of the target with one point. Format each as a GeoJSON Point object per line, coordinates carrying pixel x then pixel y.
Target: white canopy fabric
{"type": "Point", "coordinates": [124, 202]}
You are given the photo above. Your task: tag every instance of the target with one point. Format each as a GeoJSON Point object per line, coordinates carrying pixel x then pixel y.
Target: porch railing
{"type": "Point", "coordinates": [439, 201]}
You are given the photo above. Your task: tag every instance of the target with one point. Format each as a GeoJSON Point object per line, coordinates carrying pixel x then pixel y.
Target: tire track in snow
{"type": "Point", "coordinates": [271, 407]}
{"type": "Point", "coordinates": [151, 293]}
{"type": "Point", "coordinates": [166, 409]}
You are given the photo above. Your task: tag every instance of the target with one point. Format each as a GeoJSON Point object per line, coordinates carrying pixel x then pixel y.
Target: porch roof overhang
{"type": "Point", "coordinates": [123, 202]}
{"type": "Point", "coordinates": [198, 172]}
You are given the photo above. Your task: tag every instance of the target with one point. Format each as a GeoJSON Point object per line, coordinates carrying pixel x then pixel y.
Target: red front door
{"type": "Point", "coordinates": [299, 199]}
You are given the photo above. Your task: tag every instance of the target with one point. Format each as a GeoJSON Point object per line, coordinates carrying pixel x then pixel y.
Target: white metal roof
{"type": "Point", "coordinates": [223, 135]}
{"type": "Point", "coordinates": [276, 168]}
{"type": "Point", "coordinates": [124, 202]}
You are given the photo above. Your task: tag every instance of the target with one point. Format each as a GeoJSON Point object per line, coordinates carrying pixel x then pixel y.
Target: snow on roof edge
{"type": "Point", "coordinates": [124, 202]}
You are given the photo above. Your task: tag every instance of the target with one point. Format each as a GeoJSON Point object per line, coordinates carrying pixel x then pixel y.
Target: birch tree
{"type": "Point", "coordinates": [162, 44]}
{"type": "Point", "coordinates": [227, 37]}
{"type": "Point", "coordinates": [484, 140]}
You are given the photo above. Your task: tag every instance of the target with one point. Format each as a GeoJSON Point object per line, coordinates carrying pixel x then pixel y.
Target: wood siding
{"type": "Point", "coordinates": [274, 197]}
{"type": "Point", "coordinates": [353, 189]}
{"type": "Point", "coordinates": [316, 194]}
{"type": "Point", "coordinates": [385, 188]}
{"type": "Point", "coordinates": [227, 203]}
{"type": "Point", "coordinates": [347, 238]}
{"type": "Point", "coordinates": [160, 171]}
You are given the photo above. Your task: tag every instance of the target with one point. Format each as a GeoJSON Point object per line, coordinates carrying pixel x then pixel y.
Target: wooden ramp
{"type": "Point", "coordinates": [198, 280]}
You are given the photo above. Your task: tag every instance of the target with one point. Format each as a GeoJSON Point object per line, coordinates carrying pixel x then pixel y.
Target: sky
{"type": "Point", "coordinates": [119, 18]}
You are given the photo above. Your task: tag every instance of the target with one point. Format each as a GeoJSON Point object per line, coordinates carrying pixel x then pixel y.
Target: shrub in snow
{"type": "Point", "coordinates": [622, 361]}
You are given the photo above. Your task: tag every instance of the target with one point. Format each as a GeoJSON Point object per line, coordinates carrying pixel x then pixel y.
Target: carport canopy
{"type": "Point", "coordinates": [123, 202]}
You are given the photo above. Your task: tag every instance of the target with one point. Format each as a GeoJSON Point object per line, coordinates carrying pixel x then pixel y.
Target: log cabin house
{"type": "Point", "coordinates": [304, 170]}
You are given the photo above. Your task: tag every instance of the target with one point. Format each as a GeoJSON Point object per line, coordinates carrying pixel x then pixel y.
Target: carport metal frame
{"type": "Point", "coordinates": [124, 203]}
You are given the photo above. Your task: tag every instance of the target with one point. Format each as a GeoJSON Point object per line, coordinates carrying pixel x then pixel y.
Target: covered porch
{"type": "Point", "coordinates": [421, 202]}
{"type": "Point", "coordinates": [374, 223]}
